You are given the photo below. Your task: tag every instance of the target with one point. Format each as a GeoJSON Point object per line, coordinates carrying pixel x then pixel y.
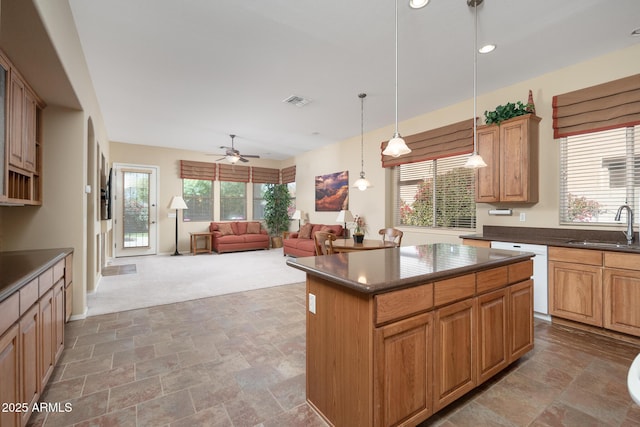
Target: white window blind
{"type": "Point", "coordinates": [599, 172]}
{"type": "Point", "coordinates": [436, 193]}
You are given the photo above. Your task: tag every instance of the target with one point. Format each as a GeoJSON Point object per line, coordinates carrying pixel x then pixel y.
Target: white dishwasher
{"type": "Point", "coordinates": [540, 301]}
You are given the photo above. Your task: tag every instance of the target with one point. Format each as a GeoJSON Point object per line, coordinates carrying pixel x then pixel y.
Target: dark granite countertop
{"type": "Point", "coordinates": [383, 270]}
{"type": "Point", "coordinates": [571, 238]}
{"type": "Point", "coordinates": [20, 267]}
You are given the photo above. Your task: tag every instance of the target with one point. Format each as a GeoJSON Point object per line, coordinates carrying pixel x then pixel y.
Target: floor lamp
{"type": "Point", "coordinates": [178, 204]}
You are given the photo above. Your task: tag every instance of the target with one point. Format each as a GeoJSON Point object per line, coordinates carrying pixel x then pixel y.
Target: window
{"type": "Point", "coordinates": [258, 200]}
{"type": "Point", "coordinates": [436, 193]}
{"type": "Point", "coordinates": [198, 195]}
{"type": "Point", "coordinates": [599, 172]}
{"type": "Point", "coordinates": [292, 191]}
{"type": "Point", "coordinates": [233, 200]}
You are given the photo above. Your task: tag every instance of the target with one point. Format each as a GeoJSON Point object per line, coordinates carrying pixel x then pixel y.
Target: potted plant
{"type": "Point", "coordinates": [507, 111]}
{"type": "Point", "coordinates": [359, 229]}
{"type": "Point", "coordinates": [276, 211]}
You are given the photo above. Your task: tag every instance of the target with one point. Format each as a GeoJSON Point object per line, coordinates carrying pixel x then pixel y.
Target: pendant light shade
{"type": "Point", "coordinates": [396, 146]}
{"type": "Point", "coordinates": [362, 183]}
{"type": "Point", "coordinates": [475, 161]}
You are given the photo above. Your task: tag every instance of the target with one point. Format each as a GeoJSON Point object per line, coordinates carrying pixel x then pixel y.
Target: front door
{"type": "Point", "coordinates": [135, 210]}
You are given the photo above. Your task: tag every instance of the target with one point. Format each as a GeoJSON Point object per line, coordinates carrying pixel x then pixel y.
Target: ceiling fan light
{"type": "Point", "coordinates": [475, 162]}
{"type": "Point", "coordinates": [417, 4]}
{"type": "Point", "coordinates": [233, 159]}
{"type": "Point", "coordinates": [487, 48]}
{"type": "Point", "coordinates": [396, 147]}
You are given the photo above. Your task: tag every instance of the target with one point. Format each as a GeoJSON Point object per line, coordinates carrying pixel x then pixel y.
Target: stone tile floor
{"type": "Point", "coordinates": [239, 360]}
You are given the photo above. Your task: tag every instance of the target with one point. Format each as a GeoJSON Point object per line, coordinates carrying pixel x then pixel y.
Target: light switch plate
{"type": "Point", "coordinates": [312, 303]}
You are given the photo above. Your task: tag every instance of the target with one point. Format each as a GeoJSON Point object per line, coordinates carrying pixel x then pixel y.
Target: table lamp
{"type": "Point", "coordinates": [297, 215]}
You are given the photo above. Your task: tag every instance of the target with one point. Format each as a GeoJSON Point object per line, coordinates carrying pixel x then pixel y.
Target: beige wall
{"type": "Point", "coordinates": [51, 59]}
{"type": "Point", "coordinates": [376, 203]}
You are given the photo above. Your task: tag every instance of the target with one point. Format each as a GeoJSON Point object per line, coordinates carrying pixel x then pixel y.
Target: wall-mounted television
{"type": "Point", "coordinates": [105, 197]}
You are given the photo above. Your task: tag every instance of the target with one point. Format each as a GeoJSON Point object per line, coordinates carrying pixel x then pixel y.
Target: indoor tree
{"type": "Point", "coordinates": [276, 215]}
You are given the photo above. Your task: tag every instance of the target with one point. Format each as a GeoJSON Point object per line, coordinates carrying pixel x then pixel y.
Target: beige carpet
{"type": "Point", "coordinates": [165, 279]}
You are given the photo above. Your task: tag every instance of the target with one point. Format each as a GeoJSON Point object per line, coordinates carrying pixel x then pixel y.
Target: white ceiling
{"type": "Point", "coordinates": [187, 74]}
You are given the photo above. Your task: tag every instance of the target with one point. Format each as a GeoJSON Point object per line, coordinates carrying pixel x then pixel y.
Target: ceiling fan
{"type": "Point", "coordinates": [233, 156]}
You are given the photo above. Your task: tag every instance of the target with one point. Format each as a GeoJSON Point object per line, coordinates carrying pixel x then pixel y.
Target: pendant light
{"type": "Point", "coordinates": [362, 183]}
{"type": "Point", "coordinates": [475, 161]}
{"type": "Point", "coordinates": [396, 146]}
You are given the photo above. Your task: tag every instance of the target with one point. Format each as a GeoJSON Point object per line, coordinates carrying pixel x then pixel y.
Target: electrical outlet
{"type": "Point", "coordinates": [523, 216]}
{"type": "Point", "coordinates": [312, 303]}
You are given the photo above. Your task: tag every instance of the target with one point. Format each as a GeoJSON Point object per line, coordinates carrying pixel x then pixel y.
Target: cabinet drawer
{"type": "Point", "coordinates": [622, 260]}
{"type": "Point", "coordinates": [45, 282]}
{"type": "Point", "coordinates": [9, 312]}
{"type": "Point", "coordinates": [492, 279]}
{"type": "Point", "coordinates": [576, 256]}
{"type": "Point", "coordinates": [457, 288]}
{"type": "Point", "coordinates": [520, 271]}
{"type": "Point", "coordinates": [28, 295]}
{"type": "Point", "coordinates": [403, 303]}
{"type": "Point", "coordinates": [58, 271]}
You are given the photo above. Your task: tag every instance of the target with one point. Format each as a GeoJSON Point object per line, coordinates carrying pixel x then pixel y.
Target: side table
{"type": "Point", "coordinates": [194, 242]}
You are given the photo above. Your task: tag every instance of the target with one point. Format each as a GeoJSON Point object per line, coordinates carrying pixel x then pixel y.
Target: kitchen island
{"type": "Point", "coordinates": [394, 335]}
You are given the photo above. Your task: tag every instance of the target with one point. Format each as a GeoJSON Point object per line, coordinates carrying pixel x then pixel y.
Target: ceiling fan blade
{"type": "Point", "coordinates": [252, 156]}
{"type": "Point", "coordinates": [242, 159]}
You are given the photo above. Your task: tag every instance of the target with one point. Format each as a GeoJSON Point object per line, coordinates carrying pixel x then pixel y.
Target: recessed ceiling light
{"type": "Point", "coordinates": [417, 4]}
{"type": "Point", "coordinates": [487, 48]}
{"type": "Point", "coordinates": [636, 32]}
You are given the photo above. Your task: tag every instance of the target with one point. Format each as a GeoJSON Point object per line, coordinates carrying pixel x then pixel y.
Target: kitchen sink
{"type": "Point", "coordinates": [601, 244]}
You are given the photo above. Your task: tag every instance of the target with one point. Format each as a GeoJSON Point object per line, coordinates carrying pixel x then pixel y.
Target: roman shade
{"type": "Point", "coordinates": [197, 170]}
{"type": "Point", "coordinates": [233, 173]}
{"type": "Point", "coordinates": [289, 174]}
{"type": "Point", "coordinates": [446, 141]}
{"type": "Point", "coordinates": [265, 175]}
{"type": "Point", "coordinates": [606, 106]}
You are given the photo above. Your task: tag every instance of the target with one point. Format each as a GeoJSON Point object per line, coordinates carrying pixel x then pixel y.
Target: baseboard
{"type": "Point", "coordinates": [79, 316]}
{"type": "Point", "coordinates": [596, 330]}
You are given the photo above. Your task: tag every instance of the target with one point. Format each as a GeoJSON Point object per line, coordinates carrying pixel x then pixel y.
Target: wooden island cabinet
{"type": "Point", "coordinates": [395, 335]}
{"type": "Point", "coordinates": [32, 317]}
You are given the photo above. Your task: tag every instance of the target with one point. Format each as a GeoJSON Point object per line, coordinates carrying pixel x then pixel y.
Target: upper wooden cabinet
{"type": "Point", "coordinates": [511, 153]}
{"type": "Point", "coordinates": [20, 173]}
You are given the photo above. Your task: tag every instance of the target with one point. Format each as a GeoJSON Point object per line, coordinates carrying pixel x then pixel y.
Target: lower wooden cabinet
{"type": "Point", "coordinates": [47, 338]}
{"type": "Point", "coordinates": [29, 357]}
{"type": "Point", "coordinates": [403, 396]}
{"type": "Point", "coordinates": [453, 365]}
{"type": "Point", "coordinates": [597, 288]}
{"type": "Point", "coordinates": [575, 291]}
{"type": "Point", "coordinates": [31, 342]}
{"type": "Point", "coordinates": [521, 319]}
{"type": "Point", "coordinates": [10, 374]}
{"type": "Point", "coordinates": [492, 333]}
{"type": "Point", "coordinates": [622, 301]}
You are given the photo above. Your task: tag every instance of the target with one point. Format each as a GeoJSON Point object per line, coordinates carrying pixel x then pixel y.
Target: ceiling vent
{"type": "Point", "coordinates": [298, 101]}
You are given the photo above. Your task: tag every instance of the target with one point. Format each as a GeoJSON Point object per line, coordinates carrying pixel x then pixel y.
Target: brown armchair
{"type": "Point", "coordinates": [324, 242]}
{"type": "Point", "coordinates": [391, 235]}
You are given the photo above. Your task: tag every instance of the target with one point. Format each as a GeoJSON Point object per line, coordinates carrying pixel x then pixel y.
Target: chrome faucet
{"type": "Point", "coordinates": [629, 233]}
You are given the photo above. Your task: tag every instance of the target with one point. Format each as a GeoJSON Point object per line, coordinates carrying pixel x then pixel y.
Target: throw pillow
{"type": "Point", "coordinates": [327, 229]}
{"type": "Point", "coordinates": [225, 228]}
{"type": "Point", "coordinates": [253, 228]}
{"type": "Point", "coordinates": [305, 231]}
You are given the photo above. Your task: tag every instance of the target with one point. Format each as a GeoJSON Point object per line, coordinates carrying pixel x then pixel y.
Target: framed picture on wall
{"type": "Point", "coordinates": [332, 192]}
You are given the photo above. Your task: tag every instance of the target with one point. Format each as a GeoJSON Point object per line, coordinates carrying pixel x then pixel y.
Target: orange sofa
{"type": "Point", "coordinates": [301, 243]}
{"type": "Point", "coordinates": [235, 236]}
